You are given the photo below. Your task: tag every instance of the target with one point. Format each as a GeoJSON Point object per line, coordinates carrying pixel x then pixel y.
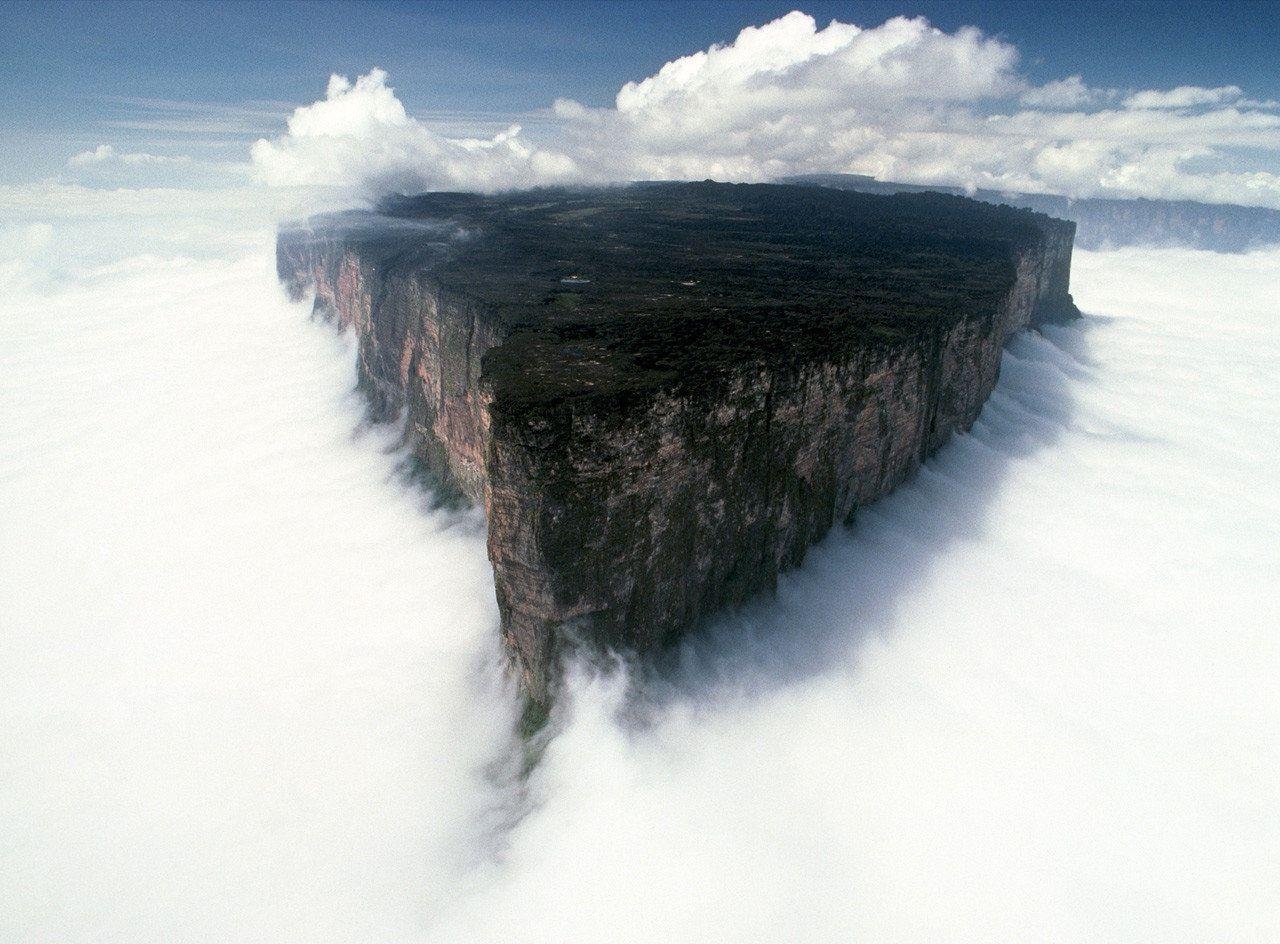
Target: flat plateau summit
{"type": "Point", "coordinates": [662, 394]}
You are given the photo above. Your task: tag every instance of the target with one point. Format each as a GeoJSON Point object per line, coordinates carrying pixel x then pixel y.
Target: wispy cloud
{"type": "Point", "coordinates": [173, 116]}
{"type": "Point", "coordinates": [1184, 96]}
{"type": "Point", "coordinates": [107, 154]}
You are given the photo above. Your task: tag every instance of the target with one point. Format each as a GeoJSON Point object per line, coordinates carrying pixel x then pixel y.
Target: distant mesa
{"type": "Point", "coordinates": [663, 394]}
{"type": "Point", "coordinates": [1109, 223]}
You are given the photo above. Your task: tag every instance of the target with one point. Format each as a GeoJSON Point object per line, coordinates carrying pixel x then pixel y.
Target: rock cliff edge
{"type": "Point", "coordinates": [662, 394]}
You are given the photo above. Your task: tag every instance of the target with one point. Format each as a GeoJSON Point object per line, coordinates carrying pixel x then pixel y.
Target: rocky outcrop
{"type": "Point", "coordinates": [662, 396]}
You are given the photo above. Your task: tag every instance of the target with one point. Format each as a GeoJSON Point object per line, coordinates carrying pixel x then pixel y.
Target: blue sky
{"type": "Point", "coordinates": [512, 56]}
{"type": "Point", "coordinates": [68, 64]}
{"type": "Point", "coordinates": [206, 79]}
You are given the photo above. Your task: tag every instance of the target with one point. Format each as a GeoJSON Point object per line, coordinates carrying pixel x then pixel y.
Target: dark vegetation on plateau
{"type": "Point", "coordinates": [611, 292]}
{"type": "Point", "coordinates": [1104, 223]}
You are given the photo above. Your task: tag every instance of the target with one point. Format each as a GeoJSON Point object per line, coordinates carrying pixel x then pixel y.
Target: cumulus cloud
{"type": "Point", "coordinates": [790, 62]}
{"type": "Point", "coordinates": [360, 139]}
{"type": "Point", "coordinates": [901, 101]}
{"type": "Point", "coordinates": [788, 97]}
{"type": "Point", "coordinates": [907, 101]}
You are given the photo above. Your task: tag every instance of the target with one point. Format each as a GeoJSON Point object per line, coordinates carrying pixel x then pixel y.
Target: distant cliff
{"type": "Point", "coordinates": [662, 395]}
{"type": "Point", "coordinates": [1107, 224]}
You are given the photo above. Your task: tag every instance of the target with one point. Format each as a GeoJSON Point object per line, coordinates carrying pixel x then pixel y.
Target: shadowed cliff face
{"type": "Point", "coordinates": [663, 395]}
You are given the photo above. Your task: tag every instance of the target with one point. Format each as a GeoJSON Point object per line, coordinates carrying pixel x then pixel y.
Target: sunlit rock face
{"type": "Point", "coordinates": [662, 395]}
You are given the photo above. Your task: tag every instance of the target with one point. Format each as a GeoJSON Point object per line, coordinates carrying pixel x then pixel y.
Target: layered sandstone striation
{"type": "Point", "coordinates": [662, 395]}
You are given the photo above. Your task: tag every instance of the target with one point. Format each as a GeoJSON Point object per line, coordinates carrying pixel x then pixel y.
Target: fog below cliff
{"type": "Point", "coordinates": [250, 684]}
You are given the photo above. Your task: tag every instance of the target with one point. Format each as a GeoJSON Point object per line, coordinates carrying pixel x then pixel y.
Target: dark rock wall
{"type": "Point", "coordinates": [623, 519]}
{"type": "Point", "coordinates": [628, 522]}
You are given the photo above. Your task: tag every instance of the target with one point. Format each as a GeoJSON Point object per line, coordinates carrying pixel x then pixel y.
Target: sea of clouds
{"type": "Point", "coordinates": [251, 686]}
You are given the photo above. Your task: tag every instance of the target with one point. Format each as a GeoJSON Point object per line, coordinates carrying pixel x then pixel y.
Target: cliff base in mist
{"type": "Point", "coordinates": [663, 394]}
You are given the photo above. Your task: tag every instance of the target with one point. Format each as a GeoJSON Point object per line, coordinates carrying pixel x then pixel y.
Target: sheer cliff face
{"type": "Point", "coordinates": [420, 349]}
{"type": "Point", "coordinates": [622, 513]}
{"type": "Point", "coordinates": [650, 517]}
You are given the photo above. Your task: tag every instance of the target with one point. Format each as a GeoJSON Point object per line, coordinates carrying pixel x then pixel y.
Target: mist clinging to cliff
{"type": "Point", "coordinates": [249, 686]}
{"type": "Point", "coordinates": [1029, 698]}
{"type": "Point", "coordinates": [235, 644]}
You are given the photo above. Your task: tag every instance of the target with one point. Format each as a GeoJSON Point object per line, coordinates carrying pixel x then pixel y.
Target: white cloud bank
{"type": "Point", "coordinates": [902, 101]}
{"type": "Point", "coordinates": [248, 689]}
{"type": "Point", "coordinates": [232, 642]}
